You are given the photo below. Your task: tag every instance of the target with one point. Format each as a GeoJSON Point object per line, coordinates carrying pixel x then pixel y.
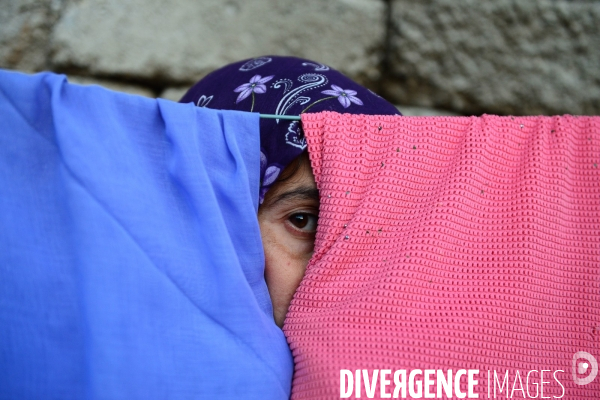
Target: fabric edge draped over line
{"type": "Point", "coordinates": [450, 243]}
{"type": "Point", "coordinates": [129, 267]}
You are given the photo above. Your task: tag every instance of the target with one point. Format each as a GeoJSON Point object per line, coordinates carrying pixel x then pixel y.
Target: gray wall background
{"type": "Point", "coordinates": [428, 56]}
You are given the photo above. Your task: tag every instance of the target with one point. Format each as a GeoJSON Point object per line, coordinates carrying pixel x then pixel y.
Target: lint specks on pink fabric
{"type": "Point", "coordinates": [450, 243]}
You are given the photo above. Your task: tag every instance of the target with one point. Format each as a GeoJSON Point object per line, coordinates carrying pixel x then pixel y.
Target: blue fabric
{"type": "Point", "coordinates": [131, 264]}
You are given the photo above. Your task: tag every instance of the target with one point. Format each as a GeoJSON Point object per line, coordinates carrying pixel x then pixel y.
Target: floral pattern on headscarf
{"type": "Point", "coordinates": [256, 85]}
{"type": "Point", "coordinates": [345, 97]}
{"type": "Point", "coordinates": [283, 86]}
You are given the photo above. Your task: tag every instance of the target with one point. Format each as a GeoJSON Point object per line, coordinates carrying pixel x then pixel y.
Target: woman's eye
{"type": "Point", "coordinates": [304, 221]}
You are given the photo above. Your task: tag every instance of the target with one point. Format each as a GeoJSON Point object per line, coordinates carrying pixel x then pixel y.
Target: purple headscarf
{"type": "Point", "coordinates": [283, 86]}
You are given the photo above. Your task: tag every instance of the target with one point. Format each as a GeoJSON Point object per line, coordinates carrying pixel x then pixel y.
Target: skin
{"type": "Point", "coordinates": [288, 223]}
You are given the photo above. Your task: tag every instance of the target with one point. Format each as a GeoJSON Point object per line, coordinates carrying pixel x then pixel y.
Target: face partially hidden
{"type": "Point", "coordinates": [288, 223]}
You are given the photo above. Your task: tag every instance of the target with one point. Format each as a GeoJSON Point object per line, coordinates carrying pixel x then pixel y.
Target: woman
{"type": "Point", "coordinates": [289, 200]}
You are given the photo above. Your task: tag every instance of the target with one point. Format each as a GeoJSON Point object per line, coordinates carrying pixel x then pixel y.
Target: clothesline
{"type": "Point", "coordinates": [274, 116]}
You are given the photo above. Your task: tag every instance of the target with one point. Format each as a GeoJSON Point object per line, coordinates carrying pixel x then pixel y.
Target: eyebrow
{"type": "Point", "coordinates": [301, 193]}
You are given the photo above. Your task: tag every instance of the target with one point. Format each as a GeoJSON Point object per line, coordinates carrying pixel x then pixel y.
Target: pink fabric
{"type": "Point", "coordinates": [450, 243]}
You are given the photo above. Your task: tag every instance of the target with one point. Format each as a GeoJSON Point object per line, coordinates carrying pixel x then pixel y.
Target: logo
{"type": "Point", "coordinates": [590, 365]}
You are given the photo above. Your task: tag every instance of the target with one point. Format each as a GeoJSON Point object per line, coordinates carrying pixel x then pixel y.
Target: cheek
{"type": "Point", "coordinates": [286, 258]}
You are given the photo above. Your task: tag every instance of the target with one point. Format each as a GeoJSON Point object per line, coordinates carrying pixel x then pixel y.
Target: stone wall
{"type": "Point", "coordinates": [504, 57]}
{"type": "Point", "coordinates": [430, 56]}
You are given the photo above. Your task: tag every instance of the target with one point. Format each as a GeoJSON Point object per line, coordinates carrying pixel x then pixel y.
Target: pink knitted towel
{"type": "Point", "coordinates": [451, 243]}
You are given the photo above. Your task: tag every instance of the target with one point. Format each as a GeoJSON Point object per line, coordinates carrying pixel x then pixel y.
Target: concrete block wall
{"type": "Point", "coordinates": [429, 56]}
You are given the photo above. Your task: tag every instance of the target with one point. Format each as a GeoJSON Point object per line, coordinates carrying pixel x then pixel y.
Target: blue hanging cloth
{"type": "Point", "coordinates": [131, 264]}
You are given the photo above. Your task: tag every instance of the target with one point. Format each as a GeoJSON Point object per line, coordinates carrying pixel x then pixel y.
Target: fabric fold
{"type": "Point", "coordinates": [131, 264]}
